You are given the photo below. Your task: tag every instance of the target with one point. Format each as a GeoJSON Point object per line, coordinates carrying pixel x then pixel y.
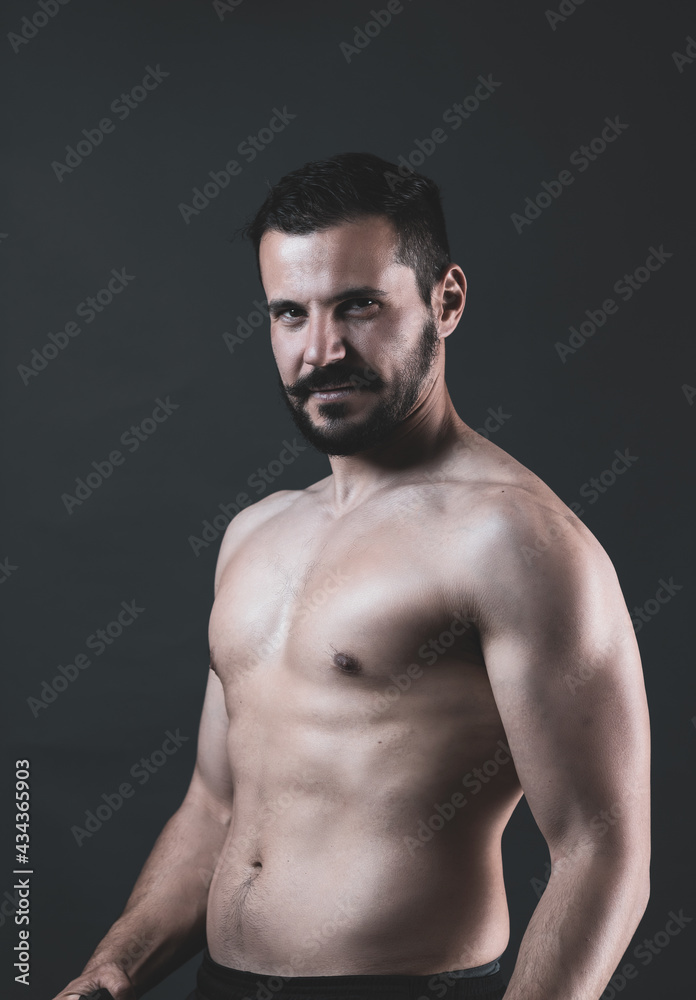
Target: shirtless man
{"type": "Point", "coordinates": [398, 653]}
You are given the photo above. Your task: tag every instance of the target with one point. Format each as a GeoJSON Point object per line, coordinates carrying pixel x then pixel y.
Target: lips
{"type": "Point", "coordinates": [333, 392]}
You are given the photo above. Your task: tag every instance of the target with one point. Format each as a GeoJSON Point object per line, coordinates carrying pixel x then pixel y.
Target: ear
{"type": "Point", "coordinates": [449, 299]}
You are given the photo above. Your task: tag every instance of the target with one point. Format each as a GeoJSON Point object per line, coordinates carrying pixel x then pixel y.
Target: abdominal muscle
{"type": "Point", "coordinates": [328, 867]}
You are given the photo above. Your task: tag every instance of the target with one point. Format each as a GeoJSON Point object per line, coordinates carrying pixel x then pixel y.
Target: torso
{"type": "Point", "coordinates": [363, 840]}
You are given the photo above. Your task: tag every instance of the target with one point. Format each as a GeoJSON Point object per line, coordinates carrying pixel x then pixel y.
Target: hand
{"type": "Point", "coordinates": [107, 976]}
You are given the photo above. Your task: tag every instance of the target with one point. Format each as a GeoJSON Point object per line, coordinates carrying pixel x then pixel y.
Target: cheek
{"type": "Point", "coordinates": [383, 348]}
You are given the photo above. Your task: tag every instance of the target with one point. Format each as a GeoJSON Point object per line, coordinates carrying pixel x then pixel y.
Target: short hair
{"type": "Point", "coordinates": [345, 187]}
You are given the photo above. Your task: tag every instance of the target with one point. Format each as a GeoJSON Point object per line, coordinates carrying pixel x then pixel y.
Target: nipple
{"type": "Point", "coordinates": [346, 663]}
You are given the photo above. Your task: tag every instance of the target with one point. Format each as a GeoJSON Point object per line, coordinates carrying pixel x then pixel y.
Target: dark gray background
{"type": "Point", "coordinates": [164, 335]}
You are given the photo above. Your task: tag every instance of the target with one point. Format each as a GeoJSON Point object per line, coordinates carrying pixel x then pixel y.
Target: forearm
{"type": "Point", "coordinates": [163, 923]}
{"type": "Point", "coordinates": [580, 928]}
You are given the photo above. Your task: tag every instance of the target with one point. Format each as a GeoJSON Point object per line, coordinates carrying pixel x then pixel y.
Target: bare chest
{"type": "Point", "coordinates": [365, 603]}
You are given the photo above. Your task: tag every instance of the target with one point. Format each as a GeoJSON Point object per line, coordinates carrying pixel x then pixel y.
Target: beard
{"type": "Point", "coordinates": [344, 436]}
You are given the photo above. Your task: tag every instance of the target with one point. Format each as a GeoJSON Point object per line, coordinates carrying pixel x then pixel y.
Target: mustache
{"type": "Point", "coordinates": [324, 378]}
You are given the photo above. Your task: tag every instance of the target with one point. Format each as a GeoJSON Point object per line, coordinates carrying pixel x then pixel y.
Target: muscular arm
{"type": "Point", "coordinates": [566, 675]}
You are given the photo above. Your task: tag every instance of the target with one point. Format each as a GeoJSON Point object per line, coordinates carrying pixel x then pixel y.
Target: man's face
{"type": "Point", "coordinates": [352, 338]}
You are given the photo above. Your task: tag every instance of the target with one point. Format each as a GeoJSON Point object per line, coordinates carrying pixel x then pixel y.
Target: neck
{"type": "Point", "coordinates": [417, 443]}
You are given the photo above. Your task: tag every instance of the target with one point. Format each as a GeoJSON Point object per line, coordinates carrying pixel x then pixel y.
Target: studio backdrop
{"type": "Point", "coordinates": [141, 405]}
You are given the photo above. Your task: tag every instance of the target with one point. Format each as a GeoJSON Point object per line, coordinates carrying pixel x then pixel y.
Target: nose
{"type": "Point", "coordinates": [323, 344]}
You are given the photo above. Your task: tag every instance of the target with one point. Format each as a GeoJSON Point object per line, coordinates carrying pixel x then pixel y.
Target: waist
{"type": "Point", "coordinates": [344, 912]}
{"type": "Point", "coordinates": [220, 982]}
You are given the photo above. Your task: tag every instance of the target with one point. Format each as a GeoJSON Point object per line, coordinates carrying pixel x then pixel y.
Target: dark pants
{"type": "Point", "coordinates": [218, 982]}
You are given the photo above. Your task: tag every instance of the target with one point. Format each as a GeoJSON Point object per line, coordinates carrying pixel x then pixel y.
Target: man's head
{"type": "Point", "coordinates": [355, 263]}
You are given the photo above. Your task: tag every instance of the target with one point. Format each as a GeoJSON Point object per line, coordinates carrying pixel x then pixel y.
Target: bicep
{"type": "Point", "coordinates": [211, 784]}
{"type": "Point", "coordinates": [565, 672]}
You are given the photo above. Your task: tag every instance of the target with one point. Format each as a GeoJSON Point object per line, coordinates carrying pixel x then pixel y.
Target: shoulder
{"type": "Point", "coordinates": [256, 513]}
{"type": "Point", "coordinates": [269, 509]}
{"type": "Point", "coordinates": [532, 559]}
{"type": "Point", "coordinates": [520, 522]}
{"type": "Point", "coordinates": [514, 534]}
{"type": "Point", "coordinates": [251, 519]}
{"type": "Point", "coordinates": [508, 512]}
{"type": "Point", "coordinates": [510, 518]}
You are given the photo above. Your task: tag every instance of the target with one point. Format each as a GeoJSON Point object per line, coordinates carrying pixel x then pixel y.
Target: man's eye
{"type": "Point", "coordinates": [350, 305]}
{"type": "Point", "coordinates": [360, 303]}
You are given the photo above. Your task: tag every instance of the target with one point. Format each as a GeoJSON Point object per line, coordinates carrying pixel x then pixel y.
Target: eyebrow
{"type": "Point", "coordinates": [360, 292]}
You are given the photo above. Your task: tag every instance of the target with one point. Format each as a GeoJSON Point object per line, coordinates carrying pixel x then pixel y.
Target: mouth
{"type": "Point", "coordinates": [333, 392]}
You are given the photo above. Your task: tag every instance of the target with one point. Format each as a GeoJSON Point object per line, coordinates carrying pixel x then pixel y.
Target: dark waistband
{"type": "Point", "coordinates": [220, 982]}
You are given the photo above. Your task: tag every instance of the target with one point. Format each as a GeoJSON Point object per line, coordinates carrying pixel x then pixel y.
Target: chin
{"type": "Point", "coordinates": [349, 439]}
{"type": "Point", "coordinates": [338, 431]}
